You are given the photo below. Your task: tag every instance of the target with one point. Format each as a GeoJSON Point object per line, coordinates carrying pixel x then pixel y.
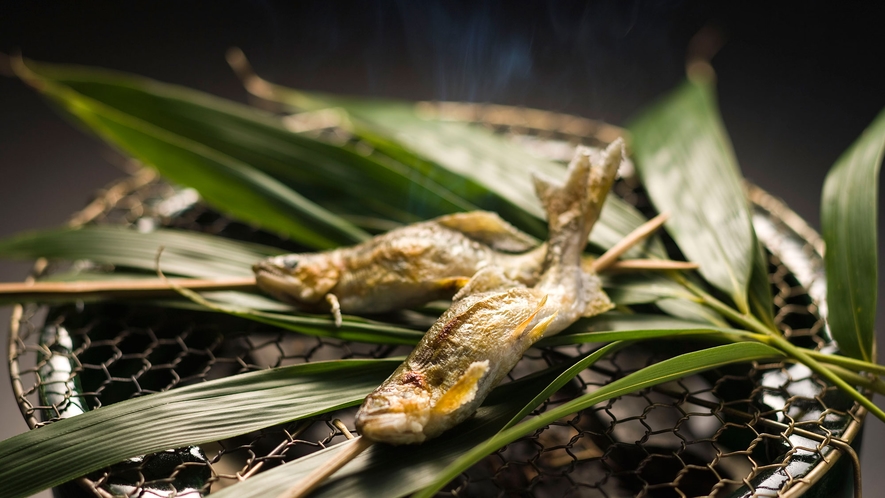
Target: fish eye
{"type": "Point", "coordinates": [289, 262]}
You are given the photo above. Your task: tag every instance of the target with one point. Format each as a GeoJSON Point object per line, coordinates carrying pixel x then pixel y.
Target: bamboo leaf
{"type": "Point", "coordinates": [474, 155]}
{"type": "Point", "coordinates": [348, 181]}
{"type": "Point", "coordinates": [642, 288]}
{"type": "Point", "coordinates": [687, 164]}
{"type": "Point", "coordinates": [186, 253]}
{"type": "Point", "coordinates": [691, 310]}
{"type": "Point", "coordinates": [223, 181]}
{"type": "Point", "coordinates": [385, 470]}
{"type": "Point", "coordinates": [441, 177]}
{"type": "Point", "coordinates": [185, 416]}
{"type": "Point", "coordinates": [848, 218]}
{"type": "Point", "coordinates": [351, 329]}
{"type": "Point", "coordinates": [614, 326]}
{"type": "Point", "coordinates": [489, 160]}
{"type": "Point", "coordinates": [659, 373]}
{"type": "Point", "coordinates": [761, 300]}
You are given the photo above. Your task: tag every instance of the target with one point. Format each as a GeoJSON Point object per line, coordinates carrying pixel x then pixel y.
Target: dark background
{"type": "Point", "coordinates": [798, 82]}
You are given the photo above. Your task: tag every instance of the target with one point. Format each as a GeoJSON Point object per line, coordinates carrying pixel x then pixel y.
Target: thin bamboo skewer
{"type": "Point", "coordinates": [36, 291]}
{"type": "Point", "coordinates": [633, 238]}
{"type": "Point", "coordinates": [39, 291]}
{"type": "Point", "coordinates": [310, 482]}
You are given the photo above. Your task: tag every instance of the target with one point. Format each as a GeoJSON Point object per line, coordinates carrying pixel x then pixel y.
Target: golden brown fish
{"type": "Point", "coordinates": [405, 267]}
{"type": "Point", "coordinates": [494, 319]}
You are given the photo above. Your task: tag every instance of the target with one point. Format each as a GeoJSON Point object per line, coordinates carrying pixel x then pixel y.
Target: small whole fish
{"type": "Point", "coordinates": [405, 267]}
{"type": "Point", "coordinates": [494, 319]}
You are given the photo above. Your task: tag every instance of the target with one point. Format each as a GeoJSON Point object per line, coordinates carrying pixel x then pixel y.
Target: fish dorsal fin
{"type": "Point", "coordinates": [488, 279]}
{"type": "Point", "coordinates": [489, 229]}
{"type": "Point", "coordinates": [464, 390]}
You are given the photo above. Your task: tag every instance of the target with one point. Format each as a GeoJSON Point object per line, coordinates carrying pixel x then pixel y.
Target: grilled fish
{"type": "Point", "coordinates": [495, 318]}
{"type": "Point", "coordinates": [405, 267]}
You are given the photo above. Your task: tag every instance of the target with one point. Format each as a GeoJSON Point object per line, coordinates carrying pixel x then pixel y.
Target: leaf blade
{"type": "Point", "coordinates": [688, 166]}
{"type": "Point", "coordinates": [658, 373]}
{"type": "Point", "coordinates": [223, 181]}
{"type": "Point", "coordinates": [848, 220]}
{"type": "Point", "coordinates": [185, 253]}
{"type": "Point", "coordinates": [181, 417]}
{"type": "Point", "coordinates": [480, 158]}
{"type": "Point", "coordinates": [399, 470]}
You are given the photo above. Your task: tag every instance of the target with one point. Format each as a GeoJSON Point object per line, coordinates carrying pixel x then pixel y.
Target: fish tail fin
{"type": "Point", "coordinates": [573, 207]}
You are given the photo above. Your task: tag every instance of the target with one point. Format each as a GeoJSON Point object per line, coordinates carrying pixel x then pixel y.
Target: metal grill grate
{"type": "Point", "coordinates": [745, 430]}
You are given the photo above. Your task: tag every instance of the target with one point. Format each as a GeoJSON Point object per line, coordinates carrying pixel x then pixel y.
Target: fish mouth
{"type": "Point", "coordinates": [274, 280]}
{"type": "Point", "coordinates": [390, 427]}
{"type": "Point", "coordinates": [394, 418]}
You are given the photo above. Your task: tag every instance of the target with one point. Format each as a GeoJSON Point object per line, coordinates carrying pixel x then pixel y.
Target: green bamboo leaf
{"type": "Point", "coordinates": [186, 253]}
{"type": "Point", "coordinates": [642, 288]}
{"type": "Point", "coordinates": [761, 301]}
{"type": "Point", "coordinates": [352, 328]}
{"type": "Point", "coordinates": [614, 326]}
{"type": "Point", "coordinates": [476, 156]}
{"type": "Point", "coordinates": [225, 182]}
{"type": "Point", "coordinates": [573, 371]}
{"type": "Point", "coordinates": [691, 310]}
{"type": "Point", "coordinates": [687, 164]}
{"type": "Point", "coordinates": [849, 208]}
{"type": "Point", "coordinates": [385, 470]}
{"type": "Point", "coordinates": [489, 160]}
{"type": "Point", "coordinates": [348, 181]}
{"type": "Point", "coordinates": [614, 320]}
{"type": "Point", "coordinates": [659, 373]}
{"type": "Point", "coordinates": [185, 416]}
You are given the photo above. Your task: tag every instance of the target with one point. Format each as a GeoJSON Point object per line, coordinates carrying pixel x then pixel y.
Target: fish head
{"type": "Point", "coordinates": [300, 279]}
{"type": "Point", "coordinates": [397, 412]}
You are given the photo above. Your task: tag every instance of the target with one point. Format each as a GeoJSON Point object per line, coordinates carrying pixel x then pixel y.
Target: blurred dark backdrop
{"type": "Point", "coordinates": [797, 81]}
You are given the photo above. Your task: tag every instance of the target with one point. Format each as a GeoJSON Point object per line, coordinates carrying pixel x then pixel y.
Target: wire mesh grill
{"type": "Point", "coordinates": [745, 430]}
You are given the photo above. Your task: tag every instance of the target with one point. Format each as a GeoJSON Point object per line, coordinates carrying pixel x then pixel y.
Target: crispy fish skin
{"type": "Point", "coordinates": [495, 319]}
{"type": "Point", "coordinates": [405, 267]}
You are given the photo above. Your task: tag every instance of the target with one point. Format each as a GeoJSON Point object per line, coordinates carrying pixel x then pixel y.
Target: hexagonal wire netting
{"type": "Point", "coordinates": [744, 430]}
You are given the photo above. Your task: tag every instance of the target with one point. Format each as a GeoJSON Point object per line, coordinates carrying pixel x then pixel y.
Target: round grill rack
{"type": "Point", "coordinates": [772, 429]}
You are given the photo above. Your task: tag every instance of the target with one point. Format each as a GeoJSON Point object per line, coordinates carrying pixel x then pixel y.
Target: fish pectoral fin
{"type": "Point", "coordinates": [335, 308]}
{"type": "Point", "coordinates": [537, 332]}
{"type": "Point", "coordinates": [520, 329]}
{"type": "Point", "coordinates": [488, 279]}
{"type": "Point", "coordinates": [464, 390]}
{"type": "Point", "coordinates": [489, 229]}
{"type": "Point", "coordinates": [453, 284]}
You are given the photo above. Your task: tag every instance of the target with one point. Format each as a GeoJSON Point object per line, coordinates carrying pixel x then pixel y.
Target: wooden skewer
{"type": "Point", "coordinates": [633, 238]}
{"type": "Point", "coordinates": [25, 291]}
{"type": "Point", "coordinates": [651, 264]}
{"type": "Point", "coordinates": [356, 446]}
{"type": "Point", "coordinates": [29, 291]}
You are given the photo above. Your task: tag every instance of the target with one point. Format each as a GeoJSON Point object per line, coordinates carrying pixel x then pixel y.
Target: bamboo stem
{"type": "Point", "coordinates": [775, 339]}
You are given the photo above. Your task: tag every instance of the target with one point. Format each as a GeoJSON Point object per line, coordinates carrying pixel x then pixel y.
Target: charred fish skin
{"type": "Point", "coordinates": [495, 319]}
{"type": "Point", "coordinates": [405, 267]}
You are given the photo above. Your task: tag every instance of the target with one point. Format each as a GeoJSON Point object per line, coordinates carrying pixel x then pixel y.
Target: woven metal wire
{"type": "Point", "coordinates": [744, 430]}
